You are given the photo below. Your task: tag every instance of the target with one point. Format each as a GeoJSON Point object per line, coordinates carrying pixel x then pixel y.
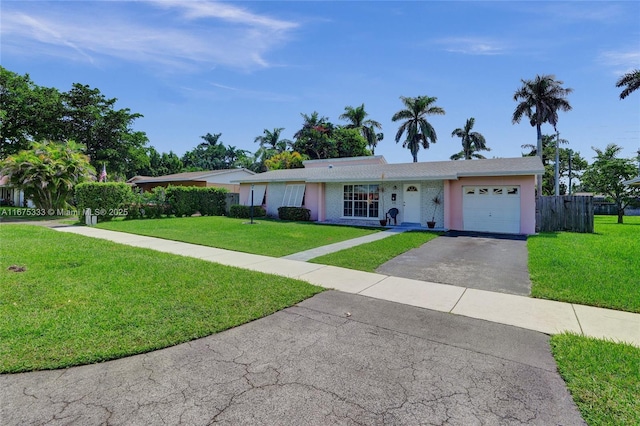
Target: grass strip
{"type": "Point", "coordinates": [603, 378]}
{"type": "Point", "coordinates": [600, 269]}
{"type": "Point", "coordinates": [368, 257]}
{"type": "Point", "coordinates": [81, 300]}
{"type": "Point", "coordinates": [266, 237]}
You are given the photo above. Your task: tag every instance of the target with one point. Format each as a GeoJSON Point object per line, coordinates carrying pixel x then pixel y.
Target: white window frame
{"type": "Point", "coordinates": [258, 195]}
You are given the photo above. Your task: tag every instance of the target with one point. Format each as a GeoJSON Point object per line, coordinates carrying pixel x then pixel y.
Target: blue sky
{"type": "Point", "coordinates": [236, 68]}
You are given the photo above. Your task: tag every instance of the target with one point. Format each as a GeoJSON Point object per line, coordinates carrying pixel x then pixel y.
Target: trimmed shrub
{"type": "Point", "coordinates": [188, 200]}
{"type": "Point", "coordinates": [148, 205]}
{"type": "Point", "coordinates": [294, 213]}
{"type": "Point", "coordinates": [244, 212]}
{"type": "Point", "coordinates": [106, 200]}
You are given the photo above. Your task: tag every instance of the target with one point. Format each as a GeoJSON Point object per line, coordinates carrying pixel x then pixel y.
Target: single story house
{"type": "Point", "coordinates": [213, 178]}
{"type": "Point", "coordinates": [495, 195]}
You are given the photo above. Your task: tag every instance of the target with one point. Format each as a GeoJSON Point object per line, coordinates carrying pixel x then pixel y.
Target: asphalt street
{"type": "Point", "coordinates": [336, 358]}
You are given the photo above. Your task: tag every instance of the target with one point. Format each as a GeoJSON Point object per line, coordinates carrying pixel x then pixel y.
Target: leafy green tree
{"type": "Point", "coordinates": [540, 100]}
{"type": "Point", "coordinates": [48, 172]}
{"type": "Point", "coordinates": [357, 118]}
{"type": "Point", "coordinates": [416, 127]}
{"type": "Point", "coordinates": [632, 82]}
{"type": "Point", "coordinates": [349, 143]}
{"type": "Point", "coordinates": [286, 160]}
{"type": "Point", "coordinates": [472, 142]}
{"type": "Point", "coordinates": [208, 155]}
{"type": "Point", "coordinates": [314, 139]}
{"type": "Point", "coordinates": [107, 133]}
{"type": "Point", "coordinates": [607, 174]}
{"type": "Point", "coordinates": [161, 164]}
{"type": "Point", "coordinates": [28, 112]}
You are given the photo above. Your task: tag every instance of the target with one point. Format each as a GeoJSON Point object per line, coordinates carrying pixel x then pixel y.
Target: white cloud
{"type": "Point", "coordinates": [220, 35]}
{"type": "Point", "coordinates": [622, 61]}
{"type": "Point", "coordinates": [472, 45]}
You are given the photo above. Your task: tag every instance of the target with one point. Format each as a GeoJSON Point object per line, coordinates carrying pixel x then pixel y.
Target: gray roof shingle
{"type": "Point", "coordinates": [436, 170]}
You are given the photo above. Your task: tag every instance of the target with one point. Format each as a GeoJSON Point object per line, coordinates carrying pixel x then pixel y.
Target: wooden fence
{"type": "Point", "coordinates": [564, 213]}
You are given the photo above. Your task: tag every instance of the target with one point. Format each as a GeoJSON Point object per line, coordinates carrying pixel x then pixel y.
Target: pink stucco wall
{"type": "Point", "coordinates": [312, 200]}
{"type": "Point", "coordinates": [453, 200]}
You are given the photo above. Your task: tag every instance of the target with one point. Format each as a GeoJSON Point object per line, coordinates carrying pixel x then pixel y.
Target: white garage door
{"type": "Point", "coordinates": [491, 209]}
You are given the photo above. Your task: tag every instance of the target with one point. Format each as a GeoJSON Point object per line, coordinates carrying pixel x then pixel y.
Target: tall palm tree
{"type": "Point", "coordinates": [472, 142]}
{"type": "Point", "coordinates": [540, 100]}
{"type": "Point", "coordinates": [418, 130]}
{"type": "Point", "coordinates": [357, 120]}
{"type": "Point", "coordinates": [271, 140]}
{"type": "Point", "coordinates": [631, 80]}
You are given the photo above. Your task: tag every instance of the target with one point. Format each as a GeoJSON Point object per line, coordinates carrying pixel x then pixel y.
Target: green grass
{"type": "Point", "coordinates": [603, 378]}
{"type": "Point", "coordinates": [267, 237]}
{"type": "Point", "coordinates": [601, 269]}
{"type": "Point", "coordinates": [83, 300]}
{"type": "Point", "coordinates": [367, 257]}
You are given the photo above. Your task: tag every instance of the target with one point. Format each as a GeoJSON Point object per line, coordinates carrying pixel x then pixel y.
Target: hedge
{"type": "Point", "coordinates": [294, 213]}
{"type": "Point", "coordinates": [106, 200]}
{"type": "Point", "coordinates": [187, 200]}
{"type": "Point", "coordinates": [244, 212]}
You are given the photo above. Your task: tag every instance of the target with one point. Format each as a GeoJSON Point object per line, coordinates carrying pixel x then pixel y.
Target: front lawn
{"type": "Point", "coordinates": [367, 257]}
{"type": "Point", "coordinates": [601, 269]}
{"type": "Point", "coordinates": [603, 378]}
{"type": "Point", "coordinates": [266, 237]}
{"type": "Point", "coordinates": [81, 300]}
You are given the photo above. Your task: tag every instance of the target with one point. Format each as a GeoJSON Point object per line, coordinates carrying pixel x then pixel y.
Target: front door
{"type": "Point", "coordinates": [411, 203]}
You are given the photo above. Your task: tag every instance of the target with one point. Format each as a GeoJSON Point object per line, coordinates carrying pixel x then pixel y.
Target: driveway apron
{"type": "Point", "coordinates": [336, 358]}
{"type": "Point", "coordinates": [493, 263]}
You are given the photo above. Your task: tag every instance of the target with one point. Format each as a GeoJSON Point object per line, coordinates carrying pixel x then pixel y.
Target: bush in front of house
{"type": "Point", "coordinates": [188, 200]}
{"type": "Point", "coordinates": [149, 205]}
{"type": "Point", "coordinates": [106, 200]}
{"type": "Point", "coordinates": [294, 213]}
{"type": "Point", "coordinates": [244, 212]}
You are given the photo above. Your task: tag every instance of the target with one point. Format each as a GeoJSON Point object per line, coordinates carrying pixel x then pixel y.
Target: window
{"type": "Point", "coordinates": [497, 191]}
{"type": "Point", "coordinates": [258, 195]}
{"type": "Point", "coordinates": [360, 201]}
{"type": "Point", "coordinates": [513, 191]}
{"type": "Point", "coordinates": [412, 189]}
{"type": "Point", "coordinates": [483, 191]}
{"type": "Point", "coordinates": [470, 190]}
{"type": "Point", "coordinates": [293, 195]}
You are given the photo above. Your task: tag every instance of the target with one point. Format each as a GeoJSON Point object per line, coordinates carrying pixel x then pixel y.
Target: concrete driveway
{"type": "Point", "coordinates": [481, 261]}
{"type": "Point", "coordinates": [336, 358]}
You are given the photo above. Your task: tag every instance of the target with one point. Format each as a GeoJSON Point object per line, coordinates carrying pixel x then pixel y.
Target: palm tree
{"type": "Point", "coordinates": [357, 118]}
{"type": "Point", "coordinates": [418, 130]}
{"type": "Point", "coordinates": [631, 80]}
{"type": "Point", "coordinates": [472, 142]}
{"type": "Point", "coordinates": [271, 139]}
{"type": "Point", "coordinates": [540, 99]}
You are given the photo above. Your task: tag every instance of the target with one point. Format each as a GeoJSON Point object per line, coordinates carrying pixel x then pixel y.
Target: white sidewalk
{"type": "Point", "coordinates": [546, 316]}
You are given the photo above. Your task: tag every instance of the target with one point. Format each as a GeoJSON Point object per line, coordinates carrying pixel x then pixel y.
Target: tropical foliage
{"type": "Point", "coordinates": [211, 154]}
{"type": "Point", "coordinates": [48, 172]}
{"type": "Point", "coordinates": [357, 118]}
{"type": "Point", "coordinates": [607, 174]}
{"type": "Point", "coordinates": [418, 131]}
{"type": "Point", "coordinates": [320, 139]}
{"type": "Point", "coordinates": [632, 82]}
{"type": "Point", "coordinates": [570, 166]}
{"type": "Point", "coordinates": [472, 142]}
{"type": "Point", "coordinates": [33, 113]}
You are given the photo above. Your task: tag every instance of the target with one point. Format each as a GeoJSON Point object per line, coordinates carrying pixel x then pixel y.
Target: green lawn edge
{"type": "Point", "coordinates": [264, 237]}
{"type": "Point", "coordinates": [369, 256]}
{"type": "Point", "coordinates": [82, 300]}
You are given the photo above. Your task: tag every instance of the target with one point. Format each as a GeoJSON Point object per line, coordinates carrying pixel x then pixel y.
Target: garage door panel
{"type": "Point", "coordinates": [491, 209]}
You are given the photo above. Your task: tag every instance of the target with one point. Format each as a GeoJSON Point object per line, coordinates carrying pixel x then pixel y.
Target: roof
{"type": "Point", "coordinates": [633, 182]}
{"type": "Point", "coordinates": [437, 170]}
{"type": "Point", "coordinates": [187, 176]}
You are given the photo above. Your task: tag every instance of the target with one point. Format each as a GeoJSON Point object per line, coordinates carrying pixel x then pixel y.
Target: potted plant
{"type": "Point", "coordinates": [436, 202]}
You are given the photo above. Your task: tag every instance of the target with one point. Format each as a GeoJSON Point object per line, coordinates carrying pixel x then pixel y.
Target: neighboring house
{"type": "Point", "coordinates": [214, 178]}
{"type": "Point", "coordinates": [10, 196]}
{"type": "Point", "coordinates": [496, 195]}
